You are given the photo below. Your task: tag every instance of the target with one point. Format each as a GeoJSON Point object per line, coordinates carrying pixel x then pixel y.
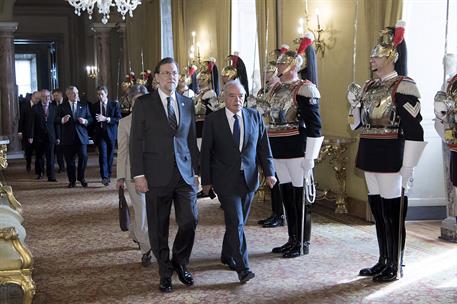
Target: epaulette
{"type": "Point", "coordinates": [407, 86]}
{"type": "Point", "coordinates": [209, 94]}
{"type": "Point", "coordinates": [309, 89]}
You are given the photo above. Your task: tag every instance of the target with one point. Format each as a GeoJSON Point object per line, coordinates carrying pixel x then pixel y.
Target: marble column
{"type": "Point", "coordinates": [103, 54]}
{"type": "Point", "coordinates": [8, 94]}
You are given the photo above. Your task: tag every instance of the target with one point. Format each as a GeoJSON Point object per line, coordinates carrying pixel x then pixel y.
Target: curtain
{"type": "Point", "coordinates": [387, 12]}
{"type": "Point", "coordinates": [179, 34]}
{"type": "Point", "coordinates": [264, 8]}
{"type": "Point", "coordinates": [223, 31]}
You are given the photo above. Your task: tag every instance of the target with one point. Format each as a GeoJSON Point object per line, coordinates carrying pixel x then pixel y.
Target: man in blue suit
{"type": "Point", "coordinates": [107, 113]}
{"type": "Point", "coordinates": [74, 117]}
{"type": "Point", "coordinates": [234, 143]}
{"type": "Point", "coordinates": [164, 165]}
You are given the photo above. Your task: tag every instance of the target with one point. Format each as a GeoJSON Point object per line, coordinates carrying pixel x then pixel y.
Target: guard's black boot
{"type": "Point", "coordinates": [287, 192]}
{"type": "Point", "coordinates": [375, 202]}
{"type": "Point", "coordinates": [391, 213]}
{"type": "Point", "coordinates": [298, 202]}
{"type": "Point", "coordinates": [287, 246]}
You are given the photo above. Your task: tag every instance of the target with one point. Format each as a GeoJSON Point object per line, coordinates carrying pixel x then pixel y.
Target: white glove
{"type": "Point", "coordinates": [407, 177]}
{"type": "Point", "coordinates": [440, 109]}
{"type": "Point", "coordinates": [307, 165]}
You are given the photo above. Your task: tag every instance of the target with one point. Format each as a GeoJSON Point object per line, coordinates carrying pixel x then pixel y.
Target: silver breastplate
{"type": "Point", "coordinates": [282, 110]}
{"type": "Point", "coordinates": [378, 110]}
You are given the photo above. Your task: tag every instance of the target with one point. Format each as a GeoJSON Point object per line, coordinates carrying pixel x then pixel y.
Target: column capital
{"type": "Point", "coordinates": [120, 26]}
{"type": "Point", "coordinates": [103, 28]}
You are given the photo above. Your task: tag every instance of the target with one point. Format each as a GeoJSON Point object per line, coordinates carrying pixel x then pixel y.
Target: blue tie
{"type": "Point", "coordinates": [171, 116]}
{"type": "Point", "coordinates": [236, 131]}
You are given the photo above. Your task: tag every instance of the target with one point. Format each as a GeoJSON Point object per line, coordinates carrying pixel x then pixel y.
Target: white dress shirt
{"type": "Point", "coordinates": [174, 103]}
{"type": "Point", "coordinates": [231, 121]}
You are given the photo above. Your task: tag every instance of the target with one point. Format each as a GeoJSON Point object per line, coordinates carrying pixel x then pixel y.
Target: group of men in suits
{"type": "Point", "coordinates": [62, 125]}
{"type": "Point", "coordinates": [165, 164]}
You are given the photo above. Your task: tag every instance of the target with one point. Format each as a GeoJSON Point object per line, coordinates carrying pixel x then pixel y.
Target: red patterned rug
{"type": "Point", "coordinates": [81, 256]}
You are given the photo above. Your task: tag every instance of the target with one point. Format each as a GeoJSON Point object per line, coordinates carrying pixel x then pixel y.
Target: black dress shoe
{"type": "Point", "coordinates": [388, 274]}
{"type": "Point", "coordinates": [52, 180]}
{"type": "Point", "coordinates": [165, 285]}
{"type": "Point", "coordinates": [71, 185]}
{"type": "Point", "coordinates": [372, 271]}
{"type": "Point", "coordinates": [146, 259]}
{"type": "Point", "coordinates": [83, 183]}
{"type": "Point", "coordinates": [28, 168]}
{"type": "Point", "coordinates": [105, 181]}
{"type": "Point", "coordinates": [261, 222]}
{"type": "Point", "coordinates": [183, 274]}
{"type": "Point", "coordinates": [295, 251]}
{"type": "Point", "coordinates": [245, 276]}
{"type": "Point", "coordinates": [276, 222]}
{"type": "Point", "coordinates": [281, 249]}
{"type": "Point", "coordinates": [230, 262]}
{"type": "Point", "coordinates": [39, 176]}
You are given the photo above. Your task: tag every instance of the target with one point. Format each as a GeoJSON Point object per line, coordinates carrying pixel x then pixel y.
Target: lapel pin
{"type": "Point", "coordinates": [182, 104]}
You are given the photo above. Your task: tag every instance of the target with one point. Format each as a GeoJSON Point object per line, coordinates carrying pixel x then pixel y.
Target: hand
{"type": "Point", "coordinates": [141, 184]}
{"type": "Point", "coordinates": [197, 181]}
{"type": "Point", "coordinates": [57, 141]}
{"type": "Point", "coordinates": [65, 119]}
{"type": "Point", "coordinates": [407, 177]}
{"type": "Point", "coordinates": [206, 189]}
{"type": "Point", "coordinates": [30, 140]}
{"type": "Point", "coordinates": [100, 118]}
{"type": "Point", "coordinates": [271, 181]}
{"type": "Point", "coordinates": [307, 165]}
{"type": "Point", "coordinates": [120, 183]}
{"type": "Point", "coordinates": [81, 120]}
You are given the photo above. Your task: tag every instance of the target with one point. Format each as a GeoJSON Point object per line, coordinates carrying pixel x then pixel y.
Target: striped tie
{"type": "Point", "coordinates": [171, 115]}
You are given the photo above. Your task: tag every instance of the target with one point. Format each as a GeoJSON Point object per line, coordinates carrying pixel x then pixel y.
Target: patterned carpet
{"type": "Point", "coordinates": [81, 256]}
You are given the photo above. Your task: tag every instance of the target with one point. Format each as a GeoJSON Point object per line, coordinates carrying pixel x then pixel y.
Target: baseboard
{"type": "Point", "coordinates": [15, 155]}
{"type": "Point", "coordinates": [426, 213]}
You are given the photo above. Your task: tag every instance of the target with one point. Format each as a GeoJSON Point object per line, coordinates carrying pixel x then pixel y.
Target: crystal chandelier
{"type": "Point", "coordinates": [104, 6]}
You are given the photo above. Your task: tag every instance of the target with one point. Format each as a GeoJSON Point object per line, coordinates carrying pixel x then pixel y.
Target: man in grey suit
{"type": "Point", "coordinates": [164, 165]}
{"type": "Point", "coordinates": [234, 143]}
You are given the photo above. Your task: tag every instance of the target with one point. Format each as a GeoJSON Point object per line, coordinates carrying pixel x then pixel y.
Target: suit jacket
{"type": "Point", "coordinates": [113, 111]}
{"type": "Point", "coordinates": [221, 159]}
{"type": "Point", "coordinates": [154, 149]}
{"type": "Point", "coordinates": [73, 130]}
{"type": "Point", "coordinates": [25, 119]}
{"type": "Point", "coordinates": [43, 128]}
{"type": "Point", "coordinates": [123, 156]}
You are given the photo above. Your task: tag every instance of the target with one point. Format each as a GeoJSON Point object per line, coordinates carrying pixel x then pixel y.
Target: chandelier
{"type": "Point", "coordinates": [104, 7]}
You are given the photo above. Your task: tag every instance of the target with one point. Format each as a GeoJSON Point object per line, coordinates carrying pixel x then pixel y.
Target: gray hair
{"type": "Point", "coordinates": [136, 89]}
{"type": "Point", "coordinates": [233, 83]}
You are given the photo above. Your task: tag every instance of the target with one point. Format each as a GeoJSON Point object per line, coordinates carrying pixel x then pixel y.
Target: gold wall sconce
{"type": "Point", "coordinates": [91, 71]}
{"type": "Point", "coordinates": [303, 26]}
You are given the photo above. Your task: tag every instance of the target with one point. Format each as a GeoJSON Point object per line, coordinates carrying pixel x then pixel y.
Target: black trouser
{"type": "Point", "coordinates": [70, 153]}
{"type": "Point", "coordinates": [60, 157]}
{"type": "Point", "coordinates": [28, 152]}
{"type": "Point", "coordinates": [158, 207]}
{"type": "Point", "coordinates": [45, 151]}
{"type": "Point", "coordinates": [105, 154]}
{"type": "Point", "coordinates": [276, 200]}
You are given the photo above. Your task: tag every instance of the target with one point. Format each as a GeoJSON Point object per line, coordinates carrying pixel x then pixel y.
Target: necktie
{"type": "Point", "coordinates": [45, 108]}
{"type": "Point", "coordinates": [171, 115]}
{"type": "Point", "coordinates": [236, 131]}
{"type": "Point", "coordinates": [103, 113]}
{"type": "Point", "coordinates": [73, 110]}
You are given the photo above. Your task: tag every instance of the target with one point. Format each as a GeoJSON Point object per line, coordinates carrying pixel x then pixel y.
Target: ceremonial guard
{"type": "Point", "coordinates": [294, 130]}
{"type": "Point", "coordinates": [235, 69]}
{"type": "Point", "coordinates": [124, 101]}
{"type": "Point", "coordinates": [261, 104]}
{"type": "Point", "coordinates": [185, 81]}
{"type": "Point", "coordinates": [387, 112]}
{"type": "Point", "coordinates": [445, 111]}
{"type": "Point", "coordinates": [206, 101]}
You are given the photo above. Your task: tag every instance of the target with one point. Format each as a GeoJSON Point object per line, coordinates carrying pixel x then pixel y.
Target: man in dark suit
{"type": "Point", "coordinates": [164, 164]}
{"type": "Point", "coordinates": [234, 143]}
{"type": "Point", "coordinates": [42, 134]}
{"type": "Point", "coordinates": [25, 121]}
{"type": "Point", "coordinates": [74, 117]}
{"type": "Point", "coordinates": [57, 99]}
{"type": "Point", "coordinates": [107, 113]}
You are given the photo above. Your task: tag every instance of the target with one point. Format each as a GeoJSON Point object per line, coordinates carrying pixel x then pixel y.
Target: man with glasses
{"type": "Point", "coordinates": [164, 163]}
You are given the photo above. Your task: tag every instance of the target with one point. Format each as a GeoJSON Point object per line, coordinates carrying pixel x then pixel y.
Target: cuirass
{"type": "Point", "coordinates": [282, 106]}
{"type": "Point", "coordinates": [200, 107]}
{"type": "Point", "coordinates": [378, 110]}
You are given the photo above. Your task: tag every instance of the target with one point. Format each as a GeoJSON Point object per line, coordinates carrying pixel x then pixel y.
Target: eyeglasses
{"type": "Point", "coordinates": [174, 73]}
